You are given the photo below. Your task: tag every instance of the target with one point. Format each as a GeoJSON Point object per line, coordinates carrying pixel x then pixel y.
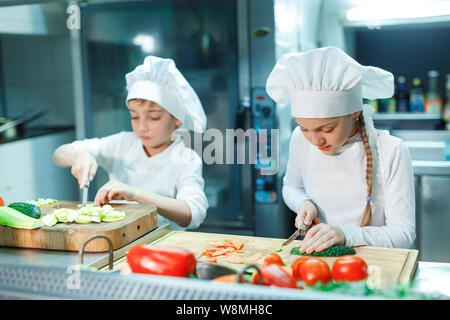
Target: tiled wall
{"type": "Point", "coordinates": [37, 74]}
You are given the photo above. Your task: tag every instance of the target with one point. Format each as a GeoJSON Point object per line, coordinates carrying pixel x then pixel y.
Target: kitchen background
{"type": "Point", "coordinates": [68, 83]}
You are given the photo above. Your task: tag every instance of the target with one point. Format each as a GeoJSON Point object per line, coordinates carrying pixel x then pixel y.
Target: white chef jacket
{"type": "Point", "coordinates": [337, 185]}
{"type": "Point", "coordinates": [122, 155]}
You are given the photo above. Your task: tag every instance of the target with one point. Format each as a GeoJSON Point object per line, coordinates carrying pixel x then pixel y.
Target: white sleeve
{"type": "Point", "coordinates": [190, 188]}
{"type": "Point", "coordinates": [399, 231]}
{"type": "Point", "coordinates": [293, 188]}
{"type": "Point", "coordinates": [104, 150]}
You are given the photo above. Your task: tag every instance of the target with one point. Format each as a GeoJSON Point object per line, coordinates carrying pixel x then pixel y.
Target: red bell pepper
{"type": "Point", "coordinates": [161, 260]}
{"type": "Point", "coordinates": [274, 275]}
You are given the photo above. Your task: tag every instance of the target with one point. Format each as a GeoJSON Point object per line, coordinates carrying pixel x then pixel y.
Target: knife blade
{"type": "Point", "coordinates": [86, 188]}
{"type": "Point", "coordinates": [301, 231]}
{"type": "Point", "coordinates": [85, 193]}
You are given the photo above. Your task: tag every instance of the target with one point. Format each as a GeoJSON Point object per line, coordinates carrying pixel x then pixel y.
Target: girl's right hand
{"type": "Point", "coordinates": [84, 168]}
{"type": "Point", "coordinates": [306, 214]}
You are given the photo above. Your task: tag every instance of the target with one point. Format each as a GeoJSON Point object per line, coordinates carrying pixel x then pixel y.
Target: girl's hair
{"type": "Point", "coordinates": [367, 215]}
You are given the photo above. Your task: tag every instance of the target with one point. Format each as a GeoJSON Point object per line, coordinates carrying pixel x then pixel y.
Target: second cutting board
{"type": "Point", "coordinates": [140, 219]}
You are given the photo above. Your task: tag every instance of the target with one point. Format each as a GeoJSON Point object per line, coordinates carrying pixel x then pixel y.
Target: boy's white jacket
{"type": "Point", "coordinates": [336, 184]}
{"type": "Point", "coordinates": [176, 172]}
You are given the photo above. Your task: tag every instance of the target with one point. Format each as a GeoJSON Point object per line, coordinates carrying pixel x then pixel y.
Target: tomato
{"type": "Point", "coordinates": [2, 203]}
{"type": "Point", "coordinates": [349, 268]}
{"type": "Point", "coordinates": [296, 266]}
{"type": "Point", "coordinates": [274, 275]}
{"type": "Point", "coordinates": [314, 270]}
{"type": "Point", "coordinates": [273, 258]}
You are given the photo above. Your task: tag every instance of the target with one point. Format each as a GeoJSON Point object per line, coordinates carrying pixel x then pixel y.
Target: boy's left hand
{"type": "Point", "coordinates": [115, 190]}
{"type": "Point", "coordinates": [321, 237]}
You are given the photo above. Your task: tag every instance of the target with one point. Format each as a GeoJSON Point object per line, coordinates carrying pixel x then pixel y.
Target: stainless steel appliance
{"type": "Point", "coordinates": [226, 50]}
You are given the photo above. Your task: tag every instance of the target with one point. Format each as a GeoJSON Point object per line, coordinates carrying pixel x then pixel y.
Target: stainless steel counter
{"type": "Point", "coordinates": [52, 258]}
{"type": "Point", "coordinates": [431, 278]}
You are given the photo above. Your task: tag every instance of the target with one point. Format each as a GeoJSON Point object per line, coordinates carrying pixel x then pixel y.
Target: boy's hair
{"type": "Point", "coordinates": [367, 214]}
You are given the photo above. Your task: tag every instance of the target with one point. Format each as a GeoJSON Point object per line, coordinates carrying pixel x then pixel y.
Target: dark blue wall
{"type": "Point", "coordinates": [408, 51]}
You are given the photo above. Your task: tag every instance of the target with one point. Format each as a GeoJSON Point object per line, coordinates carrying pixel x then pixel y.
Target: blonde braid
{"type": "Point", "coordinates": [367, 215]}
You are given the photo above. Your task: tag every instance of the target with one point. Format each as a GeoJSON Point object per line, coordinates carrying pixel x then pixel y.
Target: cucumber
{"type": "Point", "coordinates": [10, 217]}
{"type": "Point", "coordinates": [26, 208]}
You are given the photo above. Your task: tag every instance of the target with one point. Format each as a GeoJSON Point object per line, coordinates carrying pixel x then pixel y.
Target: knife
{"type": "Point", "coordinates": [86, 188]}
{"type": "Point", "coordinates": [85, 193]}
{"type": "Point", "coordinates": [300, 232]}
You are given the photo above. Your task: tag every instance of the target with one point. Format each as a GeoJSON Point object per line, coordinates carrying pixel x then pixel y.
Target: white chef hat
{"type": "Point", "coordinates": [160, 81]}
{"type": "Point", "coordinates": [326, 83]}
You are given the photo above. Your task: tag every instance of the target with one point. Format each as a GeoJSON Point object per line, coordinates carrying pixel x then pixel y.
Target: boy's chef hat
{"type": "Point", "coordinates": [160, 81]}
{"type": "Point", "coordinates": [326, 83]}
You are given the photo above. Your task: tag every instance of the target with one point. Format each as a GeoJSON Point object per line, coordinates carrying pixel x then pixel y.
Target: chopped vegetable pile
{"type": "Point", "coordinates": [228, 250]}
{"type": "Point", "coordinates": [227, 247]}
{"type": "Point", "coordinates": [333, 251]}
{"type": "Point", "coordinates": [41, 202]}
{"type": "Point", "coordinates": [89, 213]}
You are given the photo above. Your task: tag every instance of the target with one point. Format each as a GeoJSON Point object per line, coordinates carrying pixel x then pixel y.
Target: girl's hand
{"type": "Point", "coordinates": [321, 237]}
{"type": "Point", "coordinates": [84, 167]}
{"type": "Point", "coordinates": [115, 190]}
{"type": "Point", "coordinates": [306, 214]}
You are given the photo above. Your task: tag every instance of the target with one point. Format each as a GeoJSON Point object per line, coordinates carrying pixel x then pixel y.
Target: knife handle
{"type": "Point", "coordinates": [303, 229]}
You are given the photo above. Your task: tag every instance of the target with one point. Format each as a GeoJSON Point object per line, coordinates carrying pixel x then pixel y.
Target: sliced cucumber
{"type": "Point", "coordinates": [49, 220]}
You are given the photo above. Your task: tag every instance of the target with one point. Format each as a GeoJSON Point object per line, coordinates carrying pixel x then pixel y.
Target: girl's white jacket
{"type": "Point", "coordinates": [176, 172]}
{"type": "Point", "coordinates": [337, 185]}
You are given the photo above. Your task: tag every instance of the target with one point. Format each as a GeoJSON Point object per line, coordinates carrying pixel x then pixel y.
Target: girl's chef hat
{"type": "Point", "coordinates": [160, 81]}
{"type": "Point", "coordinates": [326, 83]}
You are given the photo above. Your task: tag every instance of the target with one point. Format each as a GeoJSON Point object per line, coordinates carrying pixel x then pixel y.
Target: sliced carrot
{"type": "Point", "coordinates": [236, 243]}
{"type": "Point", "coordinates": [236, 260]}
{"type": "Point", "coordinates": [221, 252]}
{"type": "Point", "coordinates": [226, 249]}
{"type": "Point", "coordinates": [254, 257]}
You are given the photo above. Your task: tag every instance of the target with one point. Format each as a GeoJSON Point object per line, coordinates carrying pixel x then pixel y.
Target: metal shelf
{"type": "Point", "coordinates": [406, 116]}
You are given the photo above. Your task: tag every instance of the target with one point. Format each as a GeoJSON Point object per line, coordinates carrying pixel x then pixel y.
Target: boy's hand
{"type": "Point", "coordinates": [115, 190]}
{"type": "Point", "coordinates": [84, 167]}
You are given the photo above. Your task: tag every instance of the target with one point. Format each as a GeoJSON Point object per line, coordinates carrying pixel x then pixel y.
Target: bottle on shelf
{"type": "Point", "coordinates": [433, 100]}
{"type": "Point", "coordinates": [383, 105]}
{"type": "Point", "coordinates": [402, 95]}
{"type": "Point", "coordinates": [392, 105]}
{"type": "Point", "coordinates": [416, 97]}
{"type": "Point", "coordinates": [447, 105]}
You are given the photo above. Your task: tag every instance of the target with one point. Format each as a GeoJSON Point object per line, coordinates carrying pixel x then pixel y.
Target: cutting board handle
{"type": "Point", "coordinates": [96, 236]}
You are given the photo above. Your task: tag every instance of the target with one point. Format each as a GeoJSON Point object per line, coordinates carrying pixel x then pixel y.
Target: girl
{"type": "Point", "coordinates": [358, 181]}
{"type": "Point", "coordinates": [144, 165]}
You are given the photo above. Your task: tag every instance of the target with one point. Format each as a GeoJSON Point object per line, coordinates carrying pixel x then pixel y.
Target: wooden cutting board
{"type": "Point", "coordinates": [139, 220]}
{"type": "Point", "coordinates": [391, 264]}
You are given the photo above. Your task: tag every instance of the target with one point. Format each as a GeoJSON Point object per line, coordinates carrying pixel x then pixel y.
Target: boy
{"type": "Point", "coordinates": [142, 164]}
